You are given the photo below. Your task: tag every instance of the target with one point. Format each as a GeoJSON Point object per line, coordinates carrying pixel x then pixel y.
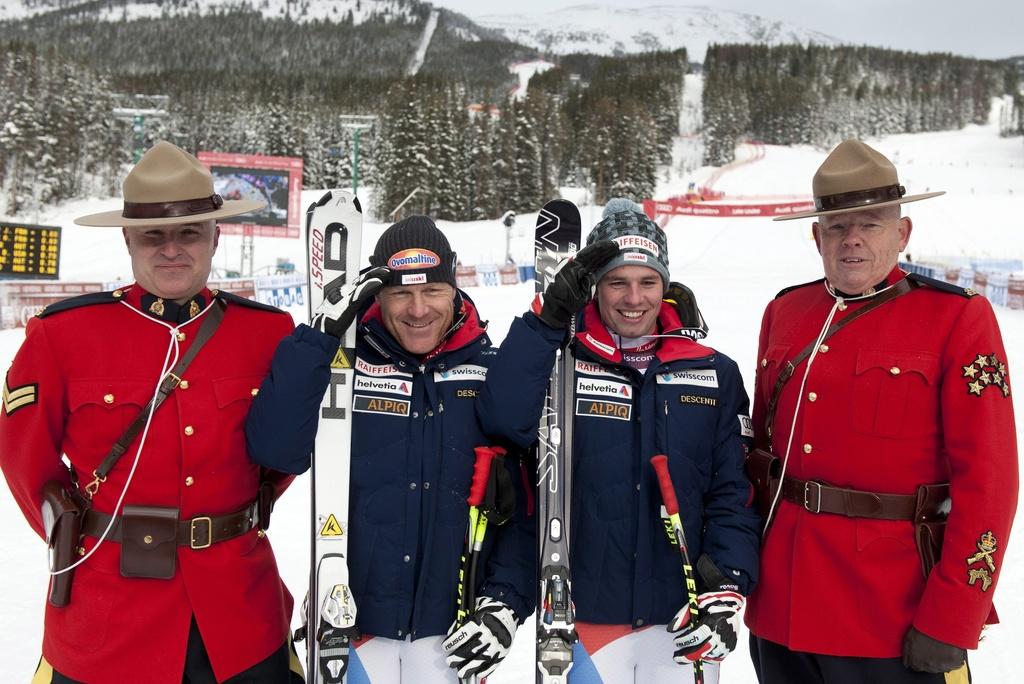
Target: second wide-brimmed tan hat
{"type": "Point", "coordinates": [854, 177]}
{"type": "Point", "coordinates": [169, 187]}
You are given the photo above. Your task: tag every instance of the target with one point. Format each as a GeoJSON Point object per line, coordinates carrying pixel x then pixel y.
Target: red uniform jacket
{"type": "Point", "coordinates": [915, 392]}
{"type": "Point", "coordinates": [77, 382]}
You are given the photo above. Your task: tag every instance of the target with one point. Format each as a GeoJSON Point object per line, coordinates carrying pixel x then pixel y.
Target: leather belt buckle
{"type": "Point", "coordinates": [807, 497]}
{"type": "Point", "coordinates": [200, 544]}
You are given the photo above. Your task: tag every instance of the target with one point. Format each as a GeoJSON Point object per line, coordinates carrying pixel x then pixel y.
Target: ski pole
{"type": "Point", "coordinates": [676, 535]}
{"type": "Point", "coordinates": [477, 527]}
{"type": "Point", "coordinates": [497, 452]}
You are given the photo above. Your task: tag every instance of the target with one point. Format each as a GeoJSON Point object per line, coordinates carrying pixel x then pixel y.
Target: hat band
{"type": "Point", "coordinates": [152, 210]}
{"type": "Point", "coordinates": [859, 198]}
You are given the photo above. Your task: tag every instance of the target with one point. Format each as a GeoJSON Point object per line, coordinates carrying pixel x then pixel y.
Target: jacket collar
{"type": "Point", "coordinates": [895, 275]}
{"type": "Point", "coordinates": [164, 309]}
{"type": "Point", "coordinates": [673, 343]}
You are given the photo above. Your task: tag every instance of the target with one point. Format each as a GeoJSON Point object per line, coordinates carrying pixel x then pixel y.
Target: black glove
{"type": "Point", "coordinates": [681, 297]}
{"type": "Point", "coordinates": [340, 305]}
{"type": "Point", "coordinates": [572, 286]}
{"type": "Point", "coordinates": [921, 653]}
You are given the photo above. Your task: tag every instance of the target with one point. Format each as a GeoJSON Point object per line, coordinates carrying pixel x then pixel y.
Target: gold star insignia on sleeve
{"type": "Point", "coordinates": [986, 370]}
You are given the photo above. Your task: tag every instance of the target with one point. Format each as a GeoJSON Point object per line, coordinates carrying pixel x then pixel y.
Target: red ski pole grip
{"type": "Point", "coordinates": [481, 473]}
{"type": "Point", "coordinates": [668, 492]}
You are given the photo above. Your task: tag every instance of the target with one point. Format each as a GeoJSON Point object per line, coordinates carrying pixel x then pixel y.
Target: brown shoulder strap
{"type": "Point", "coordinates": [168, 385]}
{"type": "Point", "coordinates": [901, 288]}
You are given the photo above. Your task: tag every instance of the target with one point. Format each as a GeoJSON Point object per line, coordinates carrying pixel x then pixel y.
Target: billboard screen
{"type": "Point", "coordinates": [275, 181]}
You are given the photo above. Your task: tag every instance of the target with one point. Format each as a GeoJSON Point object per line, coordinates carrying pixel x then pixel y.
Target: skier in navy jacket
{"type": "Point", "coordinates": [421, 358]}
{"type": "Point", "coordinates": [643, 386]}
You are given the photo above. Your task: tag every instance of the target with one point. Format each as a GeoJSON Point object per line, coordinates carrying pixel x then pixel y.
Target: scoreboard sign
{"type": "Point", "coordinates": [29, 251]}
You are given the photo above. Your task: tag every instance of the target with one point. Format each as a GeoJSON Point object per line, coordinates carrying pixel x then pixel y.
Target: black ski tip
{"type": "Point", "coordinates": [561, 211]}
{"type": "Point", "coordinates": [358, 206]}
{"type": "Point", "coordinates": [322, 201]}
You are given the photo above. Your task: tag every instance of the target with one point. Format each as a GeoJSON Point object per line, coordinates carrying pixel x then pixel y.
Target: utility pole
{"type": "Point", "coordinates": [357, 124]}
{"type": "Point", "coordinates": [136, 109]}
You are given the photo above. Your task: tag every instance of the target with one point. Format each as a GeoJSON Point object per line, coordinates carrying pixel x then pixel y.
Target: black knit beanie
{"type": "Point", "coordinates": [416, 251]}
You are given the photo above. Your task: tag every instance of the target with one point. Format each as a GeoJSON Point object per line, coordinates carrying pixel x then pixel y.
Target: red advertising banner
{"type": "Point", "coordinates": [275, 181]}
{"type": "Point", "coordinates": [657, 208]}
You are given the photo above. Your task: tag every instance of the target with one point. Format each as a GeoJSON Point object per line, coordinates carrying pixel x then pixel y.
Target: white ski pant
{"type": "Point", "coordinates": [638, 657]}
{"type": "Point", "coordinates": [390, 661]}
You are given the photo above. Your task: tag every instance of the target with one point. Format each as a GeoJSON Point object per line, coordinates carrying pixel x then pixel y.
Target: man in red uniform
{"type": "Point", "coordinates": [872, 383]}
{"type": "Point", "coordinates": [175, 580]}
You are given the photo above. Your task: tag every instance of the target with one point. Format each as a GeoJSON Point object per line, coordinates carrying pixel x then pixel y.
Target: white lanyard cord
{"type": "Point", "coordinates": [796, 411]}
{"type": "Point", "coordinates": [170, 361]}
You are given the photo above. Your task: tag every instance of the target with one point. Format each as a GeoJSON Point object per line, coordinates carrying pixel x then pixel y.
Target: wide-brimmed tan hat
{"type": "Point", "coordinates": [169, 187]}
{"type": "Point", "coordinates": [854, 177]}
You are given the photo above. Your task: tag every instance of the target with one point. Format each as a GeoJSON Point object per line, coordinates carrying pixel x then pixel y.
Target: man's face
{"type": "Point", "coordinates": [172, 262]}
{"type": "Point", "coordinates": [629, 298]}
{"type": "Point", "coordinates": [859, 248]}
{"type": "Point", "coordinates": [417, 315]}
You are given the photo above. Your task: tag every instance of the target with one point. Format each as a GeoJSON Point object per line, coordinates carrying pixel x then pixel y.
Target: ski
{"type": "Point", "coordinates": [557, 237]}
{"type": "Point", "coordinates": [333, 231]}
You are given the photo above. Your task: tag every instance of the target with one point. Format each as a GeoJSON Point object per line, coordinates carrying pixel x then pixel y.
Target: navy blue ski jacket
{"type": "Point", "coordinates": [691, 406]}
{"type": "Point", "coordinates": [413, 434]}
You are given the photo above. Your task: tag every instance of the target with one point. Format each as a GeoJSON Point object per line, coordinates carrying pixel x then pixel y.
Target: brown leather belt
{"type": "Point", "coordinates": [816, 497]}
{"type": "Point", "coordinates": [196, 533]}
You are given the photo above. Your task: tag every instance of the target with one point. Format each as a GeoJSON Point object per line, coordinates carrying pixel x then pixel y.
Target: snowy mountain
{"type": "Point", "coordinates": [604, 30]}
{"type": "Point", "coordinates": [297, 10]}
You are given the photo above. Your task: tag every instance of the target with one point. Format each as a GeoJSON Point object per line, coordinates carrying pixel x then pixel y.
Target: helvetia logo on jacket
{"type": "Point", "coordinates": [383, 385]}
{"type": "Point", "coordinates": [415, 258]}
{"type": "Point", "coordinates": [603, 388]}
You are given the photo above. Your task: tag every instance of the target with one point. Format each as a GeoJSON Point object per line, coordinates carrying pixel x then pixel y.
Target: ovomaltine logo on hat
{"type": "Point", "coordinates": [416, 258]}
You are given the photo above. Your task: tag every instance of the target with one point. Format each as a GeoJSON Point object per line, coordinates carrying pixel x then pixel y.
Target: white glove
{"type": "Point", "coordinates": [340, 306]}
{"type": "Point", "coordinates": [479, 645]}
{"type": "Point", "coordinates": [715, 632]}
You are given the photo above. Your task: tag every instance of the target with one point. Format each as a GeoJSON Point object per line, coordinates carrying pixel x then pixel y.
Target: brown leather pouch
{"type": "Point", "coordinates": [62, 521]}
{"type": "Point", "coordinates": [763, 469]}
{"type": "Point", "coordinates": [930, 512]}
{"type": "Point", "coordinates": [149, 542]}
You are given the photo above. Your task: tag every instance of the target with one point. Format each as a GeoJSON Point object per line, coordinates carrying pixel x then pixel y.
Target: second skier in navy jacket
{"type": "Point", "coordinates": [421, 358]}
{"type": "Point", "coordinates": [643, 386]}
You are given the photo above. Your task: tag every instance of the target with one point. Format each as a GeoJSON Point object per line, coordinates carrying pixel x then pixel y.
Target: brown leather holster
{"type": "Point", "coordinates": [763, 469]}
{"type": "Point", "coordinates": [266, 495]}
{"type": "Point", "coordinates": [62, 520]}
{"type": "Point", "coordinates": [930, 515]}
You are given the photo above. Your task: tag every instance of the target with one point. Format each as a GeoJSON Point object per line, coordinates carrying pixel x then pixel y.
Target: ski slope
{"type": "Point", "coordinates": [735, 266]}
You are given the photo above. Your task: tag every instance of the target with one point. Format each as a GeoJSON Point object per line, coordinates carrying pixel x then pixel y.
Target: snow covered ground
{"type": "Point", "coordinates": [735, 266]}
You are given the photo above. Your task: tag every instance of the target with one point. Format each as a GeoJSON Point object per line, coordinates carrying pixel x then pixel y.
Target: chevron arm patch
{"type": "Point", "coordinates": [19, 397]}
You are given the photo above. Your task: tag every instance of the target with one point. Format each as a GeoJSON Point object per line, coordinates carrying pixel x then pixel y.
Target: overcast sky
{"type": "Point", "coordinates": [991, 29]}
